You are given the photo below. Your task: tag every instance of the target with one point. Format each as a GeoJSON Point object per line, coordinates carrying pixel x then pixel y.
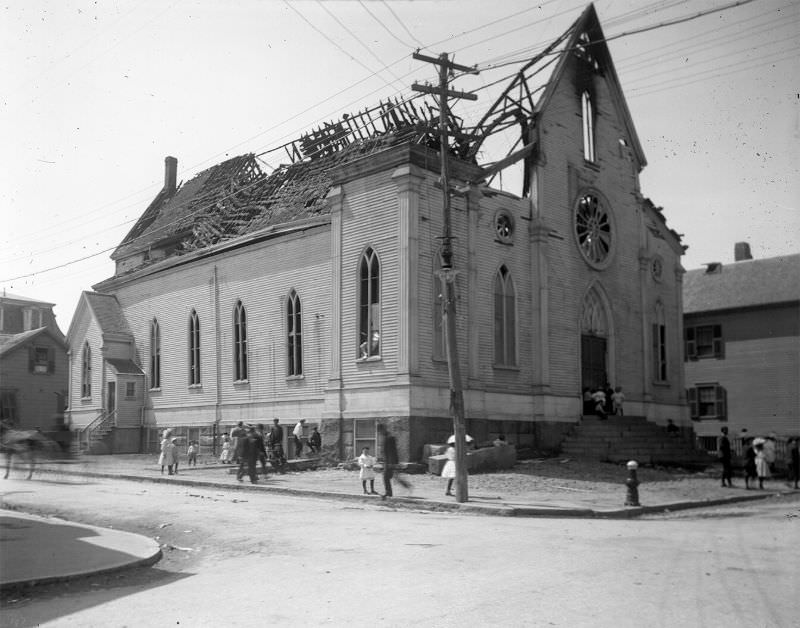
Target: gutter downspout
{"type": "Point", "coordinates": [218, 350]}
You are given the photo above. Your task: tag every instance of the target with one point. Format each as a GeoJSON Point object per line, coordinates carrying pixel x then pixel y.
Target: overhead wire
{"type": "Point", "coordinates": [732, 5]}
{"type": "Point", "coordinates": [402, 24]}
{"type": "Point", "coordinates": [386, 28]}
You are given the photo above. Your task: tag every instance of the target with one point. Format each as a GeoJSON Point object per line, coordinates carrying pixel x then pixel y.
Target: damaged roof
{"type": "Point", "coordinates": [238, 196]}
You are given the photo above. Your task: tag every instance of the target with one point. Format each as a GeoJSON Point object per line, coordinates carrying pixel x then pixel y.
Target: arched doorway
{"type": "Point", "coordinates": [595, 341]}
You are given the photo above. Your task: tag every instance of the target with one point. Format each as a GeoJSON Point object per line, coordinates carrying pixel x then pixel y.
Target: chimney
{"type": "Point", "coordinates": [170, 175]}
{"type": "Point", "coordinates": [741, 251]}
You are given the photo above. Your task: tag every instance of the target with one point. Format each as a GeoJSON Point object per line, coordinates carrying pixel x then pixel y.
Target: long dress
{"type": "Point", "coordinates": [762, 466]}
{"type": "Point", "coordinates": [167, 457]}
{"type": "Point", "coordinates": [366, 462]}
{"type": "Point", "coordinates": [449, 468]}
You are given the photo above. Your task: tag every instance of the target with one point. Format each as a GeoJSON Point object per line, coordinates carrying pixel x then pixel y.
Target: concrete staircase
{"type": "Point", "coordinates": [623, 438]}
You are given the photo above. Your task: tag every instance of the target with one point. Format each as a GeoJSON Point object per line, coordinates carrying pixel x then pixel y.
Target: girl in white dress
{"type": "Point", "coordinates": [449, 468]}
{"type": "Point", "coordinates": [367, 473]}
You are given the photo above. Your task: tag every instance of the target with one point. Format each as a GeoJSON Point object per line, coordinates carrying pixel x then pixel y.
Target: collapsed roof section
{"type": "Point", "coordinates": [237, 196]}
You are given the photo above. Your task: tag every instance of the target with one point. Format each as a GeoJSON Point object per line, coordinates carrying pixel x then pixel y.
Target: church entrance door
{"type": "Point", "coordinates": [593, 361]}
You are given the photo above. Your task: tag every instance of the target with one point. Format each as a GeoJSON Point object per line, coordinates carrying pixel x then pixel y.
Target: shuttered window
{"type": "Point", "coordinates": [703, 341]}
{"type": "Point", "coordinates": [294, 335]}
{"type": "Point", "coordinates": [587, 114]}
{"type": "Point", "coordinates": [239, 343]}
{"type": "Point", "coordinates": [707, 401]}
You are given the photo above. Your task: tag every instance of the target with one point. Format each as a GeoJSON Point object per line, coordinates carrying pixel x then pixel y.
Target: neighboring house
{"type": "Point", "coordinates": [315, 292]}
{"type": "Point", "coordinates": [742, 346]}
{"type": "Point", "coordinates": [33, 365]}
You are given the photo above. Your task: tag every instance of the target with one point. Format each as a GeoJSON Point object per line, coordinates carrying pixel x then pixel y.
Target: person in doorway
{"type": "Point", "coordinates": [599, 399]}
{"type": "Point", "coordinates": [725, 458]}
{"type": "Point", "coordinates": [449, 468]}
{"type": "Point", "coordinates": [366, 462]}
{"type": "Point", "coordinates": [297, 435]}
{"type": "Point", "coordinates": [315, 441]}
{"type": "Point", "coordinates": [191, 454]}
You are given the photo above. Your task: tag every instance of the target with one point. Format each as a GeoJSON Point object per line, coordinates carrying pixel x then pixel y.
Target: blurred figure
{"type": "Point", "coordinates": [726, 458]}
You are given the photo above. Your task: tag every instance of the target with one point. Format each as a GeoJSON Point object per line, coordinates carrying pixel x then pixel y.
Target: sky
{"type": "Point", "coordinates": [95, 94]}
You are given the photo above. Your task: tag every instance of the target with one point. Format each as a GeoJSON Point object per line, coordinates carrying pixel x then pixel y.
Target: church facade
{"type": "Point", "coordinates": [315, 292]}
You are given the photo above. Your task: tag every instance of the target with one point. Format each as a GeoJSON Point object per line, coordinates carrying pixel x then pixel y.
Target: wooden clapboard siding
{"type": "Point", "coordinates": [759, 370]}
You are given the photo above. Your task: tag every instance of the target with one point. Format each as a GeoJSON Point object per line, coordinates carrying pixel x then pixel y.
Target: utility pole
{"type": "Point", "coordinates": [447, 273]}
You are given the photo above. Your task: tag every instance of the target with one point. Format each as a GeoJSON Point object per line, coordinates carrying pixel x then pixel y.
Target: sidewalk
{"type": "Point", "coordinates": [38, 550]}
{"type": "Point", "coordinates": [544, 487]}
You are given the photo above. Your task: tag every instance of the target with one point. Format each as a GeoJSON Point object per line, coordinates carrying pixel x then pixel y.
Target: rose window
{"type": "Point", "coordinates": [593, 229]}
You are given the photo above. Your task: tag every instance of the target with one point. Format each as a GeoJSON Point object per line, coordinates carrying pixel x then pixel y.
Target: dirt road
{"type": "Point", "coordinates": [250, 559]}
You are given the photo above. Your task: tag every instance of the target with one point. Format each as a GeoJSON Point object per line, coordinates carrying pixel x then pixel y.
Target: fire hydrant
{"type": "Point", "coordinates": [632, 483]}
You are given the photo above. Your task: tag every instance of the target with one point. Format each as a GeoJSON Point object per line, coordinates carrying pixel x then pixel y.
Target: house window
{"type": "Point", "coordinates": [707, 401]}
{"type": "Point", "coordinates": [239, 343]}
{"type": "Point", "coordinates": [130, 390]}
{"type": "Point", "coordinates": [86, 372]}
{"type": "Point", "coordinates": [8, 407]}
{"type": "Point", "coordinates": [587, 114]}
{"type": "Point", "coordinates": [194, 349]}
{"type": "Point", "coordinates": [364, 432]}
{"type": "Point", "coordinates": [32, 318]}
{"type": "Point", "coordinates": [703, 341]}
{"type": "Point", "coordinates": [369, 305]}
{"type": "Point", "coordinates": [42, 360]}
{"type": "Point", "coordinates": [155, 355]}
{"type": "Point", "coordinates": [505, 341]}
{"type": "Point", "coordinates": [294, 331]}
{"type": "Point", "coordinates": [659, 332]}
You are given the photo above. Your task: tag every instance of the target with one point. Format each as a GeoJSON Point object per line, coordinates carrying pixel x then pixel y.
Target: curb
{"type": "Point", "coordinates": [412, 503]}
{"type": "Point", "coordinates": [145, 561]}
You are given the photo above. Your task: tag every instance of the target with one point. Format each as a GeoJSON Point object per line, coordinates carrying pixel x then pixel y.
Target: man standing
{"type": "Point", "coordinates": [238, 434]}
{"type": "Point", "coordinates": [275, 444]}
{"type": "Point", "coordinates": [249, 455]}
{"type": "Point", "coordinates": [725, 458]}
{"type": "Point", "coordinates": [390, 458]}
{"type": "Point", "coordinates": [297, 432]}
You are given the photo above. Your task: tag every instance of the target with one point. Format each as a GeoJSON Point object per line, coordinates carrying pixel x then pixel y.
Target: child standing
{"type": "Point", "coordinates": [617, 398]}
{"type": "Point", "coordinates": [367, 473]}
{"type": "Point", "coordinates": [191, 454]}
{"type": "Point", "coordinates": [225, 456]}
{"type": "Point", "coordinates": [449, 469]}
{"type": "Point", "coordinates": [762, 466]}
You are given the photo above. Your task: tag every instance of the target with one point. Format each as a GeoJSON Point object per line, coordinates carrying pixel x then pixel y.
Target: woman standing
{"type": "Point", "coordinates": [449, 469]}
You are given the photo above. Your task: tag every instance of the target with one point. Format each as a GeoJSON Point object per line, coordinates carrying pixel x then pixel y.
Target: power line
{"type": "Point", "coordinates": [388, 30]}
{"type": "Point", "coordinates": [402, 24]}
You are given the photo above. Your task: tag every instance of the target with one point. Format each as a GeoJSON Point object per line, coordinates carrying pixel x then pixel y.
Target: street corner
{"type": "Point", "coordinates": [39, 550]}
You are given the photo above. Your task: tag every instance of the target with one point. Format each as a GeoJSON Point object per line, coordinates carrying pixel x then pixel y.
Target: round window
{"type": "Point", "coordinates": [504, 226]}
{"type": "Point", "coordinates": [593, 230]}
{"type": "Point", "coordinates": [657, 268]}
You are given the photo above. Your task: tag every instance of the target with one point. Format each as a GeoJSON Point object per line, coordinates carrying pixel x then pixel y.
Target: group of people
{"type": "Point", "coordinates": [391, 458]}
{"type": "Point", "coordinates": [759, 459]}
{"type": "Point", "coordinates": [603, 400]}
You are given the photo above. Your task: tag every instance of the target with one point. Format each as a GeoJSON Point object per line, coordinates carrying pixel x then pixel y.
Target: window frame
{"type": "Point", "coordinates": [240, 362]}
{"type": "Point", "coordinates": [195, 372]}
{"type": "Point", "coordinates": [505, 319]}
{"type": "Point", "coordinates": [9, 410]}
{"type": "Point", "coordinates": [86, 371]}
{"type": "Point", "coordinates": [719, 404]}
{"type": "Point", "coordinates": [659, 347]}
{"type": "Point", "coordinates": [713, 347]}
{"type": "Point", "coordinates": [587, 127]}
{"type": "Point", "coordinates": [155, 355]}
{"type": "Point", "coordinates": [369, 340]}
{"type": "Point", "coordinates": [294, 335]}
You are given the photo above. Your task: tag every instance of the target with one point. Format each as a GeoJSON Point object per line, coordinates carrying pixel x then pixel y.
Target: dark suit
{"type": "Point", "coordinates": [390, 459]}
